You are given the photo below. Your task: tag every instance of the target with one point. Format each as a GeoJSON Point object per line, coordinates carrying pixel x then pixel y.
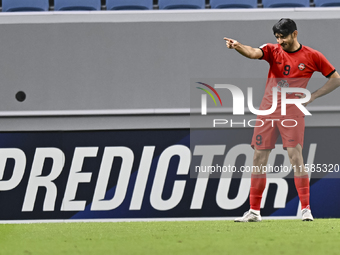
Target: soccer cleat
{"type": "Point", "coordinates": [307, 214]}
{"type": "Point", "coordinates": [249, 216]}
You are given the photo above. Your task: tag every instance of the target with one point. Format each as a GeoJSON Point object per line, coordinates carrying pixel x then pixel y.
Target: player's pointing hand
{"type": "Point", "coordinates": [231, 43]}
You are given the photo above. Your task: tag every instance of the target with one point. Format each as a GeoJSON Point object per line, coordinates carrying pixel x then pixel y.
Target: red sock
{"type": "Point", "coordinates": [302, 187]}
{"type": "Point", "coordinates": [258, 183]}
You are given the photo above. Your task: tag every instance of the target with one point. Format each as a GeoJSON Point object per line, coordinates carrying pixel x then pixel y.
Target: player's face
{"type": "Point", "coordinates": [286, 42]}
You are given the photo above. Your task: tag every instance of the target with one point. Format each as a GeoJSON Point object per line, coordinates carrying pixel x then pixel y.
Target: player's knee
{"type": "Point", "coordinates": [260, 157]}
{"type": "Point", "coordinates": [295, 157]}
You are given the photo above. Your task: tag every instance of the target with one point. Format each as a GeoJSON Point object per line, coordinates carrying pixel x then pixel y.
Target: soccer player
{"type": "Point", "coordinates": [291, 65]}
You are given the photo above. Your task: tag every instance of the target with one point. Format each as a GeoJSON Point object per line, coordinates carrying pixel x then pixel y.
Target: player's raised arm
{"type": "Point", "coordinates": [247, 51]}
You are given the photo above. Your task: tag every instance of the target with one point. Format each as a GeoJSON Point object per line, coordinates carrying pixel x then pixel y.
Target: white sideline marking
{"type": "Point", "coordinates": [142, 220]}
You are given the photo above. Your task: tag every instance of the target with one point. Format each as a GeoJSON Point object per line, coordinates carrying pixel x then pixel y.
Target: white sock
{"type": "Point", "coordinates": [257, 212]}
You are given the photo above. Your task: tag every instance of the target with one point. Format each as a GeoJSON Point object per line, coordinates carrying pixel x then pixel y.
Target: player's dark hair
{"type": "Point", "coordinates": [284, 27]}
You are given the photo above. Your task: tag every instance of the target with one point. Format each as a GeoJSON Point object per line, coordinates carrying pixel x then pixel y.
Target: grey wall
{"type": "Point", "coordinates": [118, 70]}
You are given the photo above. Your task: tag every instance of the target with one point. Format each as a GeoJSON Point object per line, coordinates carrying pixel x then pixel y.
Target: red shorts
{"type": "Point", "coordinates": [267, 131]}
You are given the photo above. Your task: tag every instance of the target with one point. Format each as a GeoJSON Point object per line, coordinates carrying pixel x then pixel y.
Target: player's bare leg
{"type": "Point", "coordinates": [258, 184]}
{"type": "Point", "coordinates": [301, 180]}
{"type": "Point", "coordinates": [296, 159]}
{"type": "Point", "coordinates": [260, 159]}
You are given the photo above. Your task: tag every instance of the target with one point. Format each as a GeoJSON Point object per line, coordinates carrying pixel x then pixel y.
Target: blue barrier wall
{"type": "Point", "coordinates": [143, 174]}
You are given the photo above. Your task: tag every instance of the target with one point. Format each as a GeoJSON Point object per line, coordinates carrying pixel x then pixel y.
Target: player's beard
{"type": "Point", "coordinates": [288, 45]}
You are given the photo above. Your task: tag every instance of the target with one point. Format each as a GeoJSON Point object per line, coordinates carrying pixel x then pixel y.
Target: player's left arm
{"type": "Point", "coordinates": [332, 83]}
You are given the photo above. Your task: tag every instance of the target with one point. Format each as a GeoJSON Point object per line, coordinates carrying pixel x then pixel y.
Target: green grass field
{"type": "Point", "coordinates": [183, 237]}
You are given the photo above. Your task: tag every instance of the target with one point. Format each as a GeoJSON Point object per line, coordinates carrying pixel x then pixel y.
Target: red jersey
{"type": "Point", "coordinates": [290, 69]}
